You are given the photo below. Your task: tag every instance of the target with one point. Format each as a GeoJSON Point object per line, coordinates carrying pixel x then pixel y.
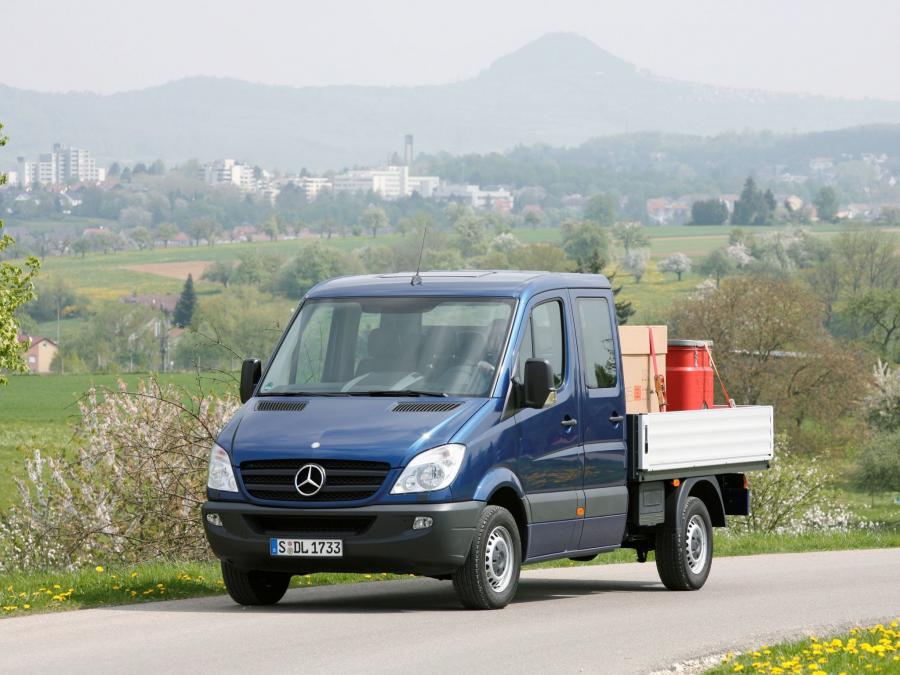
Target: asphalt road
{"type": "Point", "coordinates": [603, 619]}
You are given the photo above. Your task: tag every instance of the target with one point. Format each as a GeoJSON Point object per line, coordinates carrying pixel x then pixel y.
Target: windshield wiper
{"type": "Point", "coordinates": [398, 392]}
{"type": "Point", "coordinates": [304, 393]}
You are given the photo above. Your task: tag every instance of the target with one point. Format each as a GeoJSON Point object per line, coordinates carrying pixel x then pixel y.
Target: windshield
{"type": "Point", "coordinates": [372, 346]}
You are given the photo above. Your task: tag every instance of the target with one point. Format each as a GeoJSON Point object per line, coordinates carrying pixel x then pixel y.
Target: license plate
{"type": "Point", "coordinates": [307, 548]}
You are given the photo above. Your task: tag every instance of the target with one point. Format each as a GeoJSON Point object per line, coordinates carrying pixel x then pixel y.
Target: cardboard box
{"type": "Point", "coordinates": [637, 366]}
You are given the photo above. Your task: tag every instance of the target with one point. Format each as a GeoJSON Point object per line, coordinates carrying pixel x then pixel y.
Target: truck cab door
{"type": "Point", "coordinates": [601, 419]}
{"type": "Point", "coordinates": [549, 461]}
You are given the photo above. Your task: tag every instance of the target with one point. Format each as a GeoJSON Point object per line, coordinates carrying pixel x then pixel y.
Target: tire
{"type": "Point", "coordinates": [489, 577]}
{"type": "Point", "coordinates": [684, 548]}
{"type": "Point", "coordinates": [252, 587]}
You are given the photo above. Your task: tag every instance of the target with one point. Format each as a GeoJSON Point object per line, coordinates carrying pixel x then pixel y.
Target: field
{"type": "Point", "coordinates": [102, 277]}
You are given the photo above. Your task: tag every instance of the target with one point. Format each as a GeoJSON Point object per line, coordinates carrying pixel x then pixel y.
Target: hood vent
{"type": "Point", "coordinates": [425, 407]}
{"type": "Point", "coordinates": [280, 406]}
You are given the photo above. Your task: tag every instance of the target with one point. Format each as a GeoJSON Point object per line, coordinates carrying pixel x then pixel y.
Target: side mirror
{"type": "Point", "coordinates": [538, 382]}
{"type": "Point", "coordinates": [251, 371]}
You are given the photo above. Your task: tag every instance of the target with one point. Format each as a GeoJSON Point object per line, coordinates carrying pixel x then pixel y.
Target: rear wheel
{"type": "Point", "coordinates": [489, 577]}
{"type": "Point", "coordinates": [254, 587]}
{"type": "Point", "coordinates": [684, 548]}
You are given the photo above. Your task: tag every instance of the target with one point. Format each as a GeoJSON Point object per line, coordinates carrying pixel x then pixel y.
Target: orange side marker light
{"type": "Point", "coordinates": [675, 482]}
{"type": "Point", "coordinates": [579, 511]}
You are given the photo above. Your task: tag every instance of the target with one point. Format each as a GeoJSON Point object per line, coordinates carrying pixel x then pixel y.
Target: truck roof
{"type": "Point", "coordinates": [500, 283]}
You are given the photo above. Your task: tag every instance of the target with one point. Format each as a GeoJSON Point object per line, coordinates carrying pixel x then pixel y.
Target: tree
{"type": "Point", "coordinates": [167, 232]}
{"type": "Point", "coordinates": [677, 263]}
{"type": "Point", "coordinates": [470, 235]}
{"type": "Point", "coordinates": [709, 212]}
{"type": "Point", "coordinates": [876, 313]}
{"type": "Point", "coordinates": [54, 298]}
{"type": "Point", "coordinates": [374, 218]}
{"type": "Point", "coordinates": [631, 236]}
{"type": "Point", "coordinates": [586, 244]}
{"type": "Point", "coordinates": [600, 209]}
{"type": "Point", "coordinates": [184, 308]}
{"type": "Point", "coordinates": [204, 227]}
{"type": "Point", "coordinates": [717, 264]}
{"type": "Point", "coordinates": [16, 288]}
{"type": "Point", "coordinates": [271, 228]}
{"type": "Point", "coordinates": [315, 262]}
{"type": "Point", "coordinates": [771, 347]}
{"type": "Point", "coordinates": [753, 207]}
{"type": "Point", "coordinates": [114, 170]}
{"type": "Point", "coordinates": [135, 216]}
{"type": "Point", "coordinates": [826, 203]}
{"type": "Point", "coordinates": [635, 263]}
{"type": "Point", "coordinates": [220, 271]}
{"type": "Point", "coordinates": [533, 218]}
{"type": "Point", "coordinates": [81, 246]}
{"type": "Point", "coordinates": [141, 237]}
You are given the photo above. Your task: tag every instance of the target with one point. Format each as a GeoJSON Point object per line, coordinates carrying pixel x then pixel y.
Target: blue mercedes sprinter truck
{"type": "Point", "coordinates": [459, 425]}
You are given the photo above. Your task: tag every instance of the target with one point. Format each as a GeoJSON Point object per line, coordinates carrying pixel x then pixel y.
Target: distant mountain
{"type": "Point", "coordinates": [560, 89]}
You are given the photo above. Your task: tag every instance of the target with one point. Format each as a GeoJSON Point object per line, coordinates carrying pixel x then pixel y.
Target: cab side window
{"type": "Point", "coordinates": [544, 339]}
{"type": "Point", "coordinates": [597, 346]}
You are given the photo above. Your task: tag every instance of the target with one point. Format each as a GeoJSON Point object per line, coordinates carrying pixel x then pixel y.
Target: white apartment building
{"type": "Point", "coordinates": [495, 198]}
{"type": "Point", "coordinates": [312, 186]}
{"type": "Point", "coordinates": [229, 172]}
{"type": "Point", "coordinates": [63, 165]}
{"type": "Point", "coordinates": [391, 182]}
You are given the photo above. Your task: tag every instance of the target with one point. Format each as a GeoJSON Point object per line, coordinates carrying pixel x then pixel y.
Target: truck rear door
{"type": "Point", "coordinates": [601, 418]}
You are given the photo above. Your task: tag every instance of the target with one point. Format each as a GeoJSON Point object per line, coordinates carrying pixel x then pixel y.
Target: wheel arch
{"type": "Point", "coordinates": [707, 490]}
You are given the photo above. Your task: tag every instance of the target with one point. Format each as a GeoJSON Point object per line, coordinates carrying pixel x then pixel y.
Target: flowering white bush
{"type": "Point", "coordinates": [793, 497]}
{"type": "Point", "coordinates": [131, 489]}
{"type": "Point", "coordinates": [882, 405]}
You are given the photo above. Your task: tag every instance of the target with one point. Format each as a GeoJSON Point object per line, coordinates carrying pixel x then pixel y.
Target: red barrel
{"type": "Point", "coordinates": [689, 375]}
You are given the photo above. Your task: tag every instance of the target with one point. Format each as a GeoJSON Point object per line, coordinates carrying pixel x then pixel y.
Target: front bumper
{"type": "Point", "coordinates": [376, 538]}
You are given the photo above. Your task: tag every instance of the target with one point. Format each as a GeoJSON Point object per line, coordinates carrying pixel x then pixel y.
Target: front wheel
{"type": "Point", "coordinates": [684, 548]}
{"type": "Point", "coordinates": [253, 587]}
{"type": "Point", "coordinates": [489, 577]}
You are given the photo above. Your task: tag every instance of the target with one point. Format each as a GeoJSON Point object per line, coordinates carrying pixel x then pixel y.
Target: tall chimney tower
{"type": "Point", "coordinates": [408, 150]}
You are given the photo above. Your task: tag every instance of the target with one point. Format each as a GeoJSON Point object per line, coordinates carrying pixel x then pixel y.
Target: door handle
{"type": "Point", "coordinates": [615, 419]}
{"type": "Point", "coordinates": [569, 422]}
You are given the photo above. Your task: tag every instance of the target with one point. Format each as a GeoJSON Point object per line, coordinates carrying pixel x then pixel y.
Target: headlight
{"type": "Point", "coordinates": [221, 476]}
{"type": "Point", "coordinates": [433, 469]}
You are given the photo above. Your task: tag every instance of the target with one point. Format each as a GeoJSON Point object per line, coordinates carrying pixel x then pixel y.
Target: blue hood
{"type": "Point", "coordinates": [344, 428]}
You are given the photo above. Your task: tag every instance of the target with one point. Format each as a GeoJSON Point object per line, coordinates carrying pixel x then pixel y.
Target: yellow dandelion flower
{"type": "Point", "coordinates": [99, 568]}
{"type": "Point", "coordinates": [26, 606]}
{"type": "Point", "coordinates": [133, 575]}
{"type": "Point", "coordinates": [160, 585]}
{"type": "Point", "coordinates": [738, 667]}
{"type": "Point", "coordinates": [57, 586]}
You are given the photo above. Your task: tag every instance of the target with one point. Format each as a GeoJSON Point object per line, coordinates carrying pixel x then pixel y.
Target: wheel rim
{"type": "Point", "coordinates": [498, 559]}
{"type": "Point", "coordinates": [696, 544]}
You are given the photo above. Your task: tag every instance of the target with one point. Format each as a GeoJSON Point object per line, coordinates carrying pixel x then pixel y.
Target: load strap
{"type": "Point", "coordinates": [659, 381]}
{"type": "Point", "coordinates": [712, 361]}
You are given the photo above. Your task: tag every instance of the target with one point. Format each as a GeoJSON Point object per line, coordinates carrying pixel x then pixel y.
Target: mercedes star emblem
{"type": "Point", "coordinates": [309, 479]}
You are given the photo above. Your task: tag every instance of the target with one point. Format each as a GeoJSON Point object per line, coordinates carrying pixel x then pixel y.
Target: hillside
{"type": "Point", "coordinates": [560, 89]}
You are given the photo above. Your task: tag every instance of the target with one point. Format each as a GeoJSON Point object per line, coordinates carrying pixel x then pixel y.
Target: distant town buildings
{"type": "Point", "coordinates": [229, 172]}
{"type": "Point", "coordinates": [40, 353]}
{"type": "Point", "coordinates": [390, 182]}
{"type": "Point", "coordinates": [59, 167]}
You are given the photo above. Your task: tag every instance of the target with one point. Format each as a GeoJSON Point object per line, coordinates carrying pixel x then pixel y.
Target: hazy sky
{"type": "Point", "coordinates": [842, 48]}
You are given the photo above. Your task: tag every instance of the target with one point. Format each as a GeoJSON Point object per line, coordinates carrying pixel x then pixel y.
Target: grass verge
{"type": "Point", "coordinates": [27, 593]}
{"type": "Point", "coordinates": [861, 650]}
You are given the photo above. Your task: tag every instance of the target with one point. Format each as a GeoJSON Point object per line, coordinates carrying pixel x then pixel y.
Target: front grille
{"type": "Point", "coordinates": [345, 480]}
{"type": "Point", "coordinates": [313, 525]}
{"type": "Point", "coordinates": [425, 407]}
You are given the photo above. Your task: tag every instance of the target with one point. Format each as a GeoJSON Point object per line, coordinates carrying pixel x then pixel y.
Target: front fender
{"type": "Point", "coordinates": [496, 478]}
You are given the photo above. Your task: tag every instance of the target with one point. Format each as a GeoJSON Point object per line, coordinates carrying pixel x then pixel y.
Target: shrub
{"type": "Point", "coordinates": [878, 466]}
{"type": "Point", "coordinates": [791, 497]}
{"type": "Point", "coordinates": [131, 490]}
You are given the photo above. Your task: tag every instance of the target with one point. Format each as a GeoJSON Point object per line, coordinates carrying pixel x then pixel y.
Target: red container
{"type": "Point", "coordinates": [689, 375]}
